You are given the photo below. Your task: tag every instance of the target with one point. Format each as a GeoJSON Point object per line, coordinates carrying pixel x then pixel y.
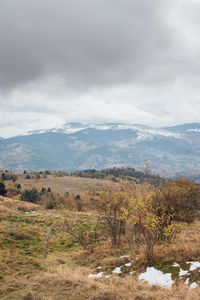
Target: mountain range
{"type": "Point", "coordinates": [78, 146]}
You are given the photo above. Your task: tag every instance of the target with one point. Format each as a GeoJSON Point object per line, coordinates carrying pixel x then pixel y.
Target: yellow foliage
{"type": "Point", "coordinates": [17, 197]}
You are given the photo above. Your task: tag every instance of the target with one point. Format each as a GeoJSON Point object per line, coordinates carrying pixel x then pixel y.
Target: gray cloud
{"type": "Point", "coordinates": [87, 42]}
{"type": "Point", "coordinates": [126, 60]}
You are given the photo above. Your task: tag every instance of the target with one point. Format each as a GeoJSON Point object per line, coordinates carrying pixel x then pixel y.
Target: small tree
{"type": "Point", "coordinates": [30, 195]}
{"type": "Point", "coordinates": [2, 189]}
{"type": "Point", "coordinates": [83, 233]}
{"type": "Point", "coordinates": [37, 176]}
{"type": "Point", "coordinates": [43, 190]}
{"type": "Point", "coordinates": [3, 176]}
{"type": "Point", "coordinates": [79, 204]}
{"type": "Point", "coordinates": [145, 219]}
{"type": "Point", "coordinates": [112, 207]}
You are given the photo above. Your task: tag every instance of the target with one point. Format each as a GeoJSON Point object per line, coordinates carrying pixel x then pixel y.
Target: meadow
{"type": "Point", "coordinates": [62, 185]}
{"type": "Point", "coordinates": [71, 272]}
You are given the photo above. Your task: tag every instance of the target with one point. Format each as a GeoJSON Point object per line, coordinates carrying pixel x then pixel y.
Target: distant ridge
{"type": "Point", "coordinates": [78, 146]}
{"type": "Point", "coordinates": [183, 127]}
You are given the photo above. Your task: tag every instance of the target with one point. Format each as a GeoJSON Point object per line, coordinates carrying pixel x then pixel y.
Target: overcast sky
{"type": "Point", "coordinates": [132, 61]}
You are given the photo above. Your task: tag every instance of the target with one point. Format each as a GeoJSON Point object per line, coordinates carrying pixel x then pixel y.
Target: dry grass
{"type": "Point", "coordinates": [62, 281]}
{"type": "Point", "coordinates": [24, 274]}
{"type": "Point", "coordinates": [185, 247]}
{"type": "Point", "coordinates": [72, 185]}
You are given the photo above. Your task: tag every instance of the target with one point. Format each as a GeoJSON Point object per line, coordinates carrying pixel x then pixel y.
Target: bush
{"type": "Point", "coordinates": [12, 190]}
{"type": "Point", "coordinates": [51, 204]}
{"type": "Point", "coordinates": [79, 204]}
{"type": "Point", "coordinates": [87, 235]}
{"type": "Point", "coordinates": [112, 208]}
{"type": "Point", "coordinates": [43, 190]}
{"type": "Point", "coordinates": [30, 195]}
{"type": "Point", "coordinates": [8, 176]}
{"type": "Point", "coordinates": [2, 189]}
{"type": "Point", "coordinates": [146, 222]}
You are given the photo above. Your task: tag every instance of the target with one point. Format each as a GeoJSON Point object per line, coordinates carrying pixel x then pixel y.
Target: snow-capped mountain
{"type": "Point", "coordinates": [143, 132]}
{"type": "Point", "coordinates": [84, 146]}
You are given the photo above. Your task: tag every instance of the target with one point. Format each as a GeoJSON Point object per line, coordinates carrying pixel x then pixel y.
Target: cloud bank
{"type": "Point", "coordinates": [94, 61]}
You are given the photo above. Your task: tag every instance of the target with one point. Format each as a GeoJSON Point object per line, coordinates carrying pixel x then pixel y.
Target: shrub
{"type": "Point", "coordinates": [79, 204]}
{"type": "Point", "coordinates": [43, 190]}
{"type": "Point", "coordinates": [145, 220]}
{"type": "Point", "coordinates": [85, 234]}
{"type": "Point", "coordinates": [112, 208]}
{"type": "Point", "coordinates": [30, 195]}
{"type": "Point", "coordinates": [8, 176]}
{"type": "Point", "coordinates": [12, 190]}
{"type": "Point", "coordinates": [2, 189]}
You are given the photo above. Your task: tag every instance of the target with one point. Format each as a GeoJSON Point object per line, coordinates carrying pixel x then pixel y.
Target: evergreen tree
{"type": "Point", "coordinates": [2, 189]}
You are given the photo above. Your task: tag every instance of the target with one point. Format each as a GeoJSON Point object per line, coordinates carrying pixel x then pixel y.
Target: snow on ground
{"type": "Point", "coordinates": [194, 265]}
{"type": "Point", "coordinates": [117, 270]}
{"type": "Point", "coordinates": [193, 285]}
{"type": "Point", "coordinates": [182, 272]}
{"type": "Point", "coordinates": [124, 256]}
{"type": "Point", "coordinates": [99, 275]}
{"type": "Point", "coordinates": [175, 265]}
{"type": "Point", "coordinates": [128, 265]}
{"type": "Point", "coordinates": [132, 272]}
{"type": "Point", "coordinates": [154, 276]}
{"type": "Point", "coordinates": [187, 281]}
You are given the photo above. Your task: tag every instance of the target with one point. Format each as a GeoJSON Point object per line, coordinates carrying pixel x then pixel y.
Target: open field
{"type": "Point", "coordinates": [72, 185]}
{"type": "Point", "coordinates": [25, 274]}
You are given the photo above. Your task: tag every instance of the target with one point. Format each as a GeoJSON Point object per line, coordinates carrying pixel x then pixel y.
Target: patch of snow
{"type": "Point", "coordinates": [29, 212]}
{"type": "Point", "coordinates": [182, 272]}
{"type": "Point", "coordinates": [124, 256]}
{"type": "Point", "coordinates": [40, 131]}
{"type": "Point", "coordinates": [72, 130]}
{"type": "Point", "coordinates": [194, 130]}
{"type": "Point", "coordinates": [187, 281]}
{"type": "Point", "coordinates": [193, 285]}
{"type": "Point", "coordinates": [128, 265]}
{"type": "Point", "coordinates": [98, 268]}
{"type": "Point", "coordinates": [99, 275]}
{"type": "Point", "coordinates": [117, 270]}
{"type": "Point", "coordinates": [156, 277]}
{"type": "Point", "coordinates": [149, 133]}
{"type": "Point", "coordinates": [194, 265]}
{"type": "Point", "coordinates": [132, 272]}
{"type": "Point", "coordinates": [107, 276]}
{"type": "Point", "coordinates": [101, 127]}
{"type": "Point", "coordinates": [175, 265]}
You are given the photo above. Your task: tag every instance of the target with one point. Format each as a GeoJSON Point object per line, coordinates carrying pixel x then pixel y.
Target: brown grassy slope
{"type": "Point", "coordinates": [25, 274]}
{"type": "Point", "coordinates": [73, 185]}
